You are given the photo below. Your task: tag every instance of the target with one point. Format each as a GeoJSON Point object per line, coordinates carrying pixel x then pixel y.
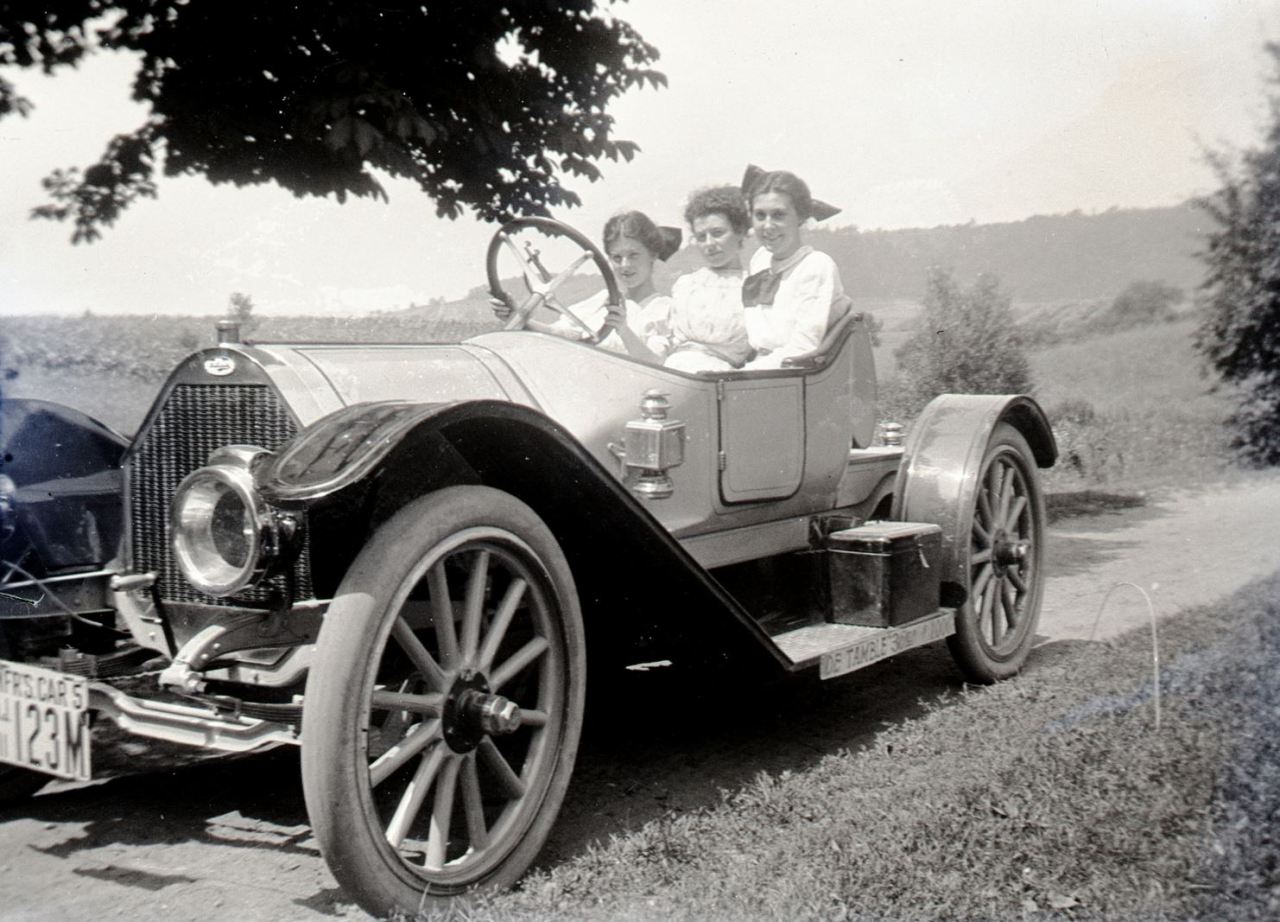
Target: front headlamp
{"type": "Point", "coordinates": [224, 536]}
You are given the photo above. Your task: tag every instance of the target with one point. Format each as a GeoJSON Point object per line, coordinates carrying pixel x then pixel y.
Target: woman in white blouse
{"type": "Point", "coordinates": [708, 328]}
{"type": "Point", "coordinates": [791, 287]}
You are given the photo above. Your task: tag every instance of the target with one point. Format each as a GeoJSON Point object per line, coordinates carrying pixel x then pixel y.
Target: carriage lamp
{"type": "Point", "coordinates": [652, 445]}
{"type": "Point", "coordinates": [225, 537]}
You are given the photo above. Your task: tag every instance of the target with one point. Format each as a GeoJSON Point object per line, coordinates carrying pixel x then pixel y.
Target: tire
{"type": "Point", "coordinates": [417, 784]}
{"type": "Point", "coordinates": [1002, 538]}
{"type": "Point", "coordinates": [19, 783]}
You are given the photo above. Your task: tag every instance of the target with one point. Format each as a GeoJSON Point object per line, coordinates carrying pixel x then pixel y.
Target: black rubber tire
{"type": "Point", "coordinates": [18, 784]}
{"type": "Point", "coordinates": [996, 626]}
{"type": "Point", "coordinates": [497, 536]}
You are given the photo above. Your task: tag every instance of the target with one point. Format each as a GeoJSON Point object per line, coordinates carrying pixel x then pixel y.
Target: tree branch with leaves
{"type": "Point", "coordinates": [485, 106]}
{"type": "Point", "coordinates": [1239, 333]}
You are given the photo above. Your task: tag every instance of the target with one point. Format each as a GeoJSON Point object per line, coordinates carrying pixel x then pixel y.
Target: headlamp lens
{"type": "Point", "coordinates": [216, 531]}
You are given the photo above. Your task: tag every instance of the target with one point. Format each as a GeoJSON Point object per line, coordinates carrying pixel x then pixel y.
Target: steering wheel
{"type": "Point", "coordinates": [542, 284]}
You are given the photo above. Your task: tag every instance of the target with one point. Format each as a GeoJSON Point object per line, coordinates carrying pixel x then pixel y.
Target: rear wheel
{"type": "Point", "coordinates": [995, 627]}
{"type": "Point", "coordinates": [444, 707]}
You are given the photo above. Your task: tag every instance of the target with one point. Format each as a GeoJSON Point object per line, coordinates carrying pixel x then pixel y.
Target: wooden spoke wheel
{"type": "Point", "coordinates": [444, 706]}
{"type": "Point", "coordinates": [995, 628]}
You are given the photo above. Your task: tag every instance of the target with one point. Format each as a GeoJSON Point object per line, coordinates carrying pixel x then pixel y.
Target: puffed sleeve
{"type": "Point", "coordinates": [817, 286]}
{"type": "Point", "coordinates": [681, 290]}
{"type": "Point", "coordinates": [655, 324]}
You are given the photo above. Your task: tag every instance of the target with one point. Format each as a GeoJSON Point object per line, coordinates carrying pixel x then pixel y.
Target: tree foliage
{"type": "Point", "coordinates": [965, 342]}
{"type": "Point", "coordinates": [240, 309]}
{"type": "Point", "coordinates": [1239, 334]}
{"type": "Point", "coordinates": [484, 105]}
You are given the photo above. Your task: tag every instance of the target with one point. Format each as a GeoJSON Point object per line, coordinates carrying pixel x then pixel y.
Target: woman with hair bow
{"type": "Point", "coordinates": [791, 288]}
{"type": "Point", "coordinates": [640, 326]}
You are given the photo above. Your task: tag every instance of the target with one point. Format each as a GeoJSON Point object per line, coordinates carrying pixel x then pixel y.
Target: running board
{"type": "Point", "coordinates": [840, 648]}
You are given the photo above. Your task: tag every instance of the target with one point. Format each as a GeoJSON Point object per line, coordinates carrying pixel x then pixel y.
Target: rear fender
{"type": "Point", "coordinates": [355, 467]}
{"type": "Point", "coordinates": [937, 478]}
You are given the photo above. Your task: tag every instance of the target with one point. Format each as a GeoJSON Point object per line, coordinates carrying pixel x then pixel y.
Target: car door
{"type": "Point", "coordinates": [761, 437]}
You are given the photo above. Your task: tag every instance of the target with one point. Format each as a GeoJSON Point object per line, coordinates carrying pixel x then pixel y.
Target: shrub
{"type": "Point", "coordinates": [1088, 446]}
{"type": "Point", "coordinates": [965, 342]}
{"type": "Point", "coordinates": [1145, 302]}
{"type": "Point", "coordinates": [1238, 335]}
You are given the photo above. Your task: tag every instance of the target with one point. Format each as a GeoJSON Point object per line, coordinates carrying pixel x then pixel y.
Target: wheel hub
{"type": "Point", "coordinates": [1007, 551]}
{"type": "Point", "coordinates": [471, 712]}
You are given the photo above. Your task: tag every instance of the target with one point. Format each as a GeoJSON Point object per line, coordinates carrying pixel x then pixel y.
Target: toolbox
{"type": "Point", "coordinates": [882, 574]}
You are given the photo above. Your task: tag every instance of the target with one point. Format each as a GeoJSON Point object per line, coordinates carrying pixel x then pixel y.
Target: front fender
{"type": "Point", "coordinates": [635, 581]}
{"type": "Point", "coordinates": [341, 450]}
{"type": "Point", "coordinates": [61, 492]}
{"type": "Point", "coordinates": [937, 478]}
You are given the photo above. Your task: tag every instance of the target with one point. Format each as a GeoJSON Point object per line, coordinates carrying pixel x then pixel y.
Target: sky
{"type": "Point", "coordinates": [906, 113]}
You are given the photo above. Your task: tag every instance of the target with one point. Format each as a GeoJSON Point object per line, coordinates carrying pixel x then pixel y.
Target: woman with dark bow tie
{"type": "Point", "coordinates": [790, 288]}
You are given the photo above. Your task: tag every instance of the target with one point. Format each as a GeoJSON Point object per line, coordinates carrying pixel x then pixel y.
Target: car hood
{"type": "Point", "coordinates": [419, 373]}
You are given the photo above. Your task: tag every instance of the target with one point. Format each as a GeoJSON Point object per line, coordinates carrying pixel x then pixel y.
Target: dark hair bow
{"type": "Point", "coordinates": [755, 176]}
{"type": "Point", "coordinates": [670, 237]}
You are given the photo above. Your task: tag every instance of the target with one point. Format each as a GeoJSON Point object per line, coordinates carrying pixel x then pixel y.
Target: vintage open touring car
{"type": "Point", "coordinates": [402, 557]}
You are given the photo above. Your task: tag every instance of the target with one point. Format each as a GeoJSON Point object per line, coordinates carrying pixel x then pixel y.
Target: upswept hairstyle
{"type": "Point", "coordinates": [726, 201]}
{"type": "Point", "coordinates": [662, 242]}
{"type": "Point", "coordinates": [788, 184]}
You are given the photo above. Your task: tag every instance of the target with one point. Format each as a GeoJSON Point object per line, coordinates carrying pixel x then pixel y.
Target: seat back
{"type": "Point", "coordinates": [840, 321]}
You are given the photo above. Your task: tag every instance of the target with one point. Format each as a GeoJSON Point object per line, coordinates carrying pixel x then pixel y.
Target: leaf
{"type": "Point", "coordinates": [366, 136]}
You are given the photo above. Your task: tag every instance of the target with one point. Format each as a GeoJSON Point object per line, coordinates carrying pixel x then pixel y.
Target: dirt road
{"type": "Point", "coordinates": [230, 840]}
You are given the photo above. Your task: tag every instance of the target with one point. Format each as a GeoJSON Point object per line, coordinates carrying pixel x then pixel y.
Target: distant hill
{"type": "Point", "coordinates": [1043, 258]}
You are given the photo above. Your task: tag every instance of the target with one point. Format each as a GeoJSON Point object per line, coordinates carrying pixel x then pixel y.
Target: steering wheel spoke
{"type": "Point", "coordinates": [542, 284]}
{"type": "Point", "coordinates": [528, 268]}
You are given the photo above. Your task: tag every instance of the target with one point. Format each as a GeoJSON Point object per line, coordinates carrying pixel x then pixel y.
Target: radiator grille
{"type": "Point", "coordinates": [194, 421]}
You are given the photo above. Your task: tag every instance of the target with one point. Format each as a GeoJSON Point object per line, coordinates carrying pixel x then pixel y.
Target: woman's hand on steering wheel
{"type": "Point", "coordinates": [541, 284]}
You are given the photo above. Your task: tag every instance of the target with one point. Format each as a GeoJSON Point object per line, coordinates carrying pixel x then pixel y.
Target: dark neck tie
{"type": "Point", "coordinates": [760, 288]}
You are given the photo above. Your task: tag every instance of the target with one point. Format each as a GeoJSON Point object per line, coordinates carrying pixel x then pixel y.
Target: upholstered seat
{"type": "Point", "coordinates": [839, 324]}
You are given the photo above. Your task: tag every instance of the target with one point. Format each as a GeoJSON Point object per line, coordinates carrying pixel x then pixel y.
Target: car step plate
{"type": "Point", "coordinates": [44, 720]}
{"type": "Point", "coordinates": [842, 648]}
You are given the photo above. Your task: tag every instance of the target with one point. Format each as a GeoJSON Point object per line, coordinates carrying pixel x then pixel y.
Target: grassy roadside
{"type": "Point", "coordinates": [1049, 797]}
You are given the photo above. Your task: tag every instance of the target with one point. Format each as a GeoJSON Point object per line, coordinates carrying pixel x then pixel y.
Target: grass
{"type": "Point", "coordinates": [1089, 502]}
{"type": "Point", "coordinates": [1131, 409]}
{"type": "Point", "coordinates": [1048, 797]}
{"type": "Point", "coordinates": [119, 401]}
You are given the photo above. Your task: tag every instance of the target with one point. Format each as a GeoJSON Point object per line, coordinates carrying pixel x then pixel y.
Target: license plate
{"type": "Point", "coordinates": [884, 644]}
{"type": "Point", "coordinates": [44, 720]}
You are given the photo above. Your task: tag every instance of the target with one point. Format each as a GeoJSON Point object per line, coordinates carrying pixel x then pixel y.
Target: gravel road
{"type": "Point", "coordinates": [229, 839]}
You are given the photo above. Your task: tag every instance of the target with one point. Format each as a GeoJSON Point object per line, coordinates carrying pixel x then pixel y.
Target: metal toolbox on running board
{"type": "Point", "coordinates": [883, 574]}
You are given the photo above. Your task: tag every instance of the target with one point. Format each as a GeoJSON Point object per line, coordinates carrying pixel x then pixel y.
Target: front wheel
{"type": "Point", "coordinates": [19, 783]}
{"type": "Point", "coordinates": [444, 706]}
{"type": "Point", "coordinates": [1003, 551]}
